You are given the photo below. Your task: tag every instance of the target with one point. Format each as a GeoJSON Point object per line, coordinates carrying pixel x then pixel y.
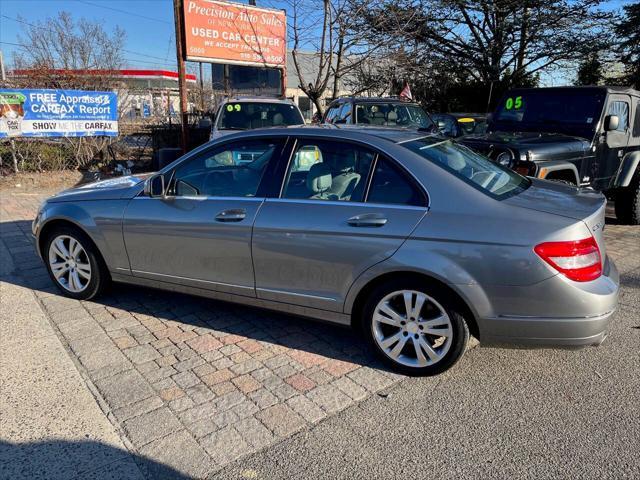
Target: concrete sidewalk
{"type": "Point", "coordinates": [50, 424]}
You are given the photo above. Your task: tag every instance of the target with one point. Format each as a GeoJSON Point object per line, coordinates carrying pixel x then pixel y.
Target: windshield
{"type": "Point", "coordinates": [250, 115]}
{"type": "Point", "coordinates": [571, 111]}
{"type": "Point", "coordinates": [392, 114]}
{"type": "Point", "coordinates": [473, 168]}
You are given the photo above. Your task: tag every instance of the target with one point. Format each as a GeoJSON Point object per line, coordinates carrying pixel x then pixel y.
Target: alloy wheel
{"type": "Point", "coordinates": [69, 263]}
{"type": "Point", "coordinates": [412, 328]}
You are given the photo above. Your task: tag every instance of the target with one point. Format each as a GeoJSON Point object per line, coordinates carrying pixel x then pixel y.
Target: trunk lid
{"type": "Point", "coordinates": [560, 199]}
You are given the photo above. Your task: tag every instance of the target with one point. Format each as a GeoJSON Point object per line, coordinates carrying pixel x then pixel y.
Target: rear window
{"type": "Point", "coordinates": [250, 115]}
{"type": "Point", "coordinates": [473, 168]}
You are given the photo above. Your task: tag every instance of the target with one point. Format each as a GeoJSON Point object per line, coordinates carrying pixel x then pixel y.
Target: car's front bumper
{"type": "Point", "coordinates": [556, 312]}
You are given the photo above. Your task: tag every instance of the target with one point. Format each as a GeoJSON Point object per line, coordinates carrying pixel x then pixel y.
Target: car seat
{"type": "Point", "coordinates": [345, 178]}
{"type": "Point", "coordinates": [319, 181]}
{"type": "Point", "coordinates": [392, 118]}
{"type": "Point", "coordinates": [378, 118]}
{"type": "Point", "coordinates": [278, 120]}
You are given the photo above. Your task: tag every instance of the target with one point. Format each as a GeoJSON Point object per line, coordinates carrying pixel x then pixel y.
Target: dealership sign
{"type": "Point", "coordinates": [57, 113]}
{"type": "Point", "coordinates": [222, 32]}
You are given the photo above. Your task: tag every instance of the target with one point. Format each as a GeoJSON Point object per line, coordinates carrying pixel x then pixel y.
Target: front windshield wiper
{"type": "Point", "coordinates": [234, 128]}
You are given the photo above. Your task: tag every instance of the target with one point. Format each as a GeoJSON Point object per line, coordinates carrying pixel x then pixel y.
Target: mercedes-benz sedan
{"type": "Point", "coordinates": [415, 240]}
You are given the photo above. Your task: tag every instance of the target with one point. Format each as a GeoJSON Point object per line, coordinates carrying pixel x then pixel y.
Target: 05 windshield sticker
{"type": "Point", "coordinates": [514, 103]}
{"type": "Point", "coordinates": [237, 107]}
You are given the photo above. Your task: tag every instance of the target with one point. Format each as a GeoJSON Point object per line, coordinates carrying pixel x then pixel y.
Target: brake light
{"type": "Point", "coordinates": [578, 260]}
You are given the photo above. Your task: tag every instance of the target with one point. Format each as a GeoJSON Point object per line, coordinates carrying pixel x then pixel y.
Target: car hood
{"type": "Point", "coordinates": [545, 145]}
{"type": "Point", "coordinates": [111, 189]}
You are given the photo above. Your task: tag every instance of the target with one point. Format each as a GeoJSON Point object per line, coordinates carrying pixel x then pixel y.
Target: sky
{"type": "Point", "coordinates": [149, 27]}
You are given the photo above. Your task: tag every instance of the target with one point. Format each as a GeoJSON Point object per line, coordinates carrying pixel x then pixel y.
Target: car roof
{"type": "Point", "coordinates": [609, 89]}
{"type": "Point", "coordinates": [342, 132]}
{"type": "Point", "coordinates": [374, 100]}
{"type": "Point", "coordinates": [257, 100]}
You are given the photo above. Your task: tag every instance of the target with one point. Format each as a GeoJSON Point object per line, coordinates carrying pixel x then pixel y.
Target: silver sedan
{"type": "Point", "coordinates": [415, 240]}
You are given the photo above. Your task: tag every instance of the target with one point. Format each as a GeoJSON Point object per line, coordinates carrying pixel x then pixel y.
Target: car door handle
{"type": "Point", "coordinates": [236, 215]}
{"type": "Point", "coordinates": [368, 220]}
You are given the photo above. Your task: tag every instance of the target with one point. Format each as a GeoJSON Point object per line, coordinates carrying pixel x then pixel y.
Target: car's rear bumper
{"type": "Point", "coordinates": [556, 312]}
{"type": "Point", "coordinates": [556, 332]}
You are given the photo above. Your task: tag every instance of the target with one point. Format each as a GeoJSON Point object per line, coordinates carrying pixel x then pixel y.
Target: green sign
{"type": "Point", "coordinates": [512, 103]}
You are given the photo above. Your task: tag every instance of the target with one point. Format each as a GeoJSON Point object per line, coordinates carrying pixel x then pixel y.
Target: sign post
{"type": "Point", "coordinates": [182, 81]}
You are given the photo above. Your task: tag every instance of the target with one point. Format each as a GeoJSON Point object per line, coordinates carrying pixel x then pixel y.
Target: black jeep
{"type": "Point", "coordinates": [586, 136]}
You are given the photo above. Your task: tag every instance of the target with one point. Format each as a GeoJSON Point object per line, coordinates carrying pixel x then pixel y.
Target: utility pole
{"type": "Point", "coordinates": [3, 76]}
{"type": "Point", "coordinates": [182, 81]}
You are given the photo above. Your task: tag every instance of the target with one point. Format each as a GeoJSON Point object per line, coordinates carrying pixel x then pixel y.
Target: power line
{"type": "Point", "coordinates": [44, 28]}
{"type": "Point", "coordinates": [135, 60]}
{"type": "Point", "coordinates": [124, 11]}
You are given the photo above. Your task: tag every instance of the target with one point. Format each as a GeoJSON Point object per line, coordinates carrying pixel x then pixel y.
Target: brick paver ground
{"type": "Point", "coordinates": [196, 383]}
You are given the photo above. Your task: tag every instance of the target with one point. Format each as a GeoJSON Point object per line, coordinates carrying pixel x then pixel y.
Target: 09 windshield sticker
{"type": "Point", "coordinates": [514, 103]}
{"type": "Point", "coordinates": [237, 107]}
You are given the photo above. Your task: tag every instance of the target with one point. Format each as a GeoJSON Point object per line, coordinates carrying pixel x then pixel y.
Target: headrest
{"type": "Point", "coordinates": [319, 178]}
{"type": "Point", "coordinates": [392, 116]}
{"type": "Point", "coordinates": [278, 119]}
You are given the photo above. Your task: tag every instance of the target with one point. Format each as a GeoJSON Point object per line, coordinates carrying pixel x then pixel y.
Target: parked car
{"type": "Point", "coordinates": [378, 111]}
{"type": "Point", "coordinates": [248, 113]}
{"type": "Point", "coordinates": [412, 238]}
{"type": "Point", "coordinates": [456, 125]}
{"type": "Point", "coordinates": [585, 136]}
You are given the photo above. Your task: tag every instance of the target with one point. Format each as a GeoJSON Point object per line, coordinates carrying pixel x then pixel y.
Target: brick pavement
{"type": "Point", "coordinates": [196, 383]}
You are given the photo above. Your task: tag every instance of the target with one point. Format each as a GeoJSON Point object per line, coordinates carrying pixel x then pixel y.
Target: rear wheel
{"type": "Point", "coordinates": [414, 327]}
{"type": "Point", "coordinates": [627, 202]}
{"type": "Point", "coordinates": [74, 264]}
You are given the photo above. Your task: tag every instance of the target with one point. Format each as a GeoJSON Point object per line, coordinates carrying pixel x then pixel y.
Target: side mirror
{"type": "Point", "coordinates": [154, 186]}
{"type": "Point", "coordinates": [611, 122]}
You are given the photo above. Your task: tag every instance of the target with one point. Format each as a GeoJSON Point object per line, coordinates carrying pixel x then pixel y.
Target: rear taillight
{"type": "Point", "coordinates": [578, 260]}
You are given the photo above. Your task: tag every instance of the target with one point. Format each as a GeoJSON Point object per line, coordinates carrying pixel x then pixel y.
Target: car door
{"type": "Point", "coordinates": [614, 146]}
{"type": "Point", "coordinates": [199, 233]}
{"type": "Point", "coordinates": [309, 245]}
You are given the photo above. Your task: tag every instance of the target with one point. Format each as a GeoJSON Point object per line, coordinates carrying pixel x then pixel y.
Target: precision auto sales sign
{"type": "Point", "coordinates": [57, 113]}
{"type": "Point", "coordinates": [222, 32]}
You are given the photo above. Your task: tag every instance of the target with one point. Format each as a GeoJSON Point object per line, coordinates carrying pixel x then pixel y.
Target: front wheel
{"type": "Point", "coordinates": [627, 202]}
{"type": "Point", "coordinates": [415, 327]}
{"type": "Point", "coordinates": [74, 264]}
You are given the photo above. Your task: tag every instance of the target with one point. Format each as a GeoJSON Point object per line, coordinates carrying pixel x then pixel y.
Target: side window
{"type": "Point", "coordinates": [344, 115]}
{"type": "Point", "coordinates": [232, 170]}
{"type": "Point", "coordinates": [391, 185]}
{"type": "Point", "coordinates": [332, 113]}
{"type": "Point", "coordinates": [621, 109]}
{"type": "Point", "coordinates": [322, 170]}
{"type": "Point", "coordinates": [636, 121]}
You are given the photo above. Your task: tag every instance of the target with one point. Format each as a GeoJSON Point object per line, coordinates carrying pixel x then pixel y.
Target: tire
{"type": "Point", "coordinates": [438, 307]}
{"type": "Point", "coordinates": [627, 202]}
{"type": "Point", "coordinates": [81, 276]}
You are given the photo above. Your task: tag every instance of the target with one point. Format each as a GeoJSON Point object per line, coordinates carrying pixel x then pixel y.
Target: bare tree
{"type": "Point", "coordinates": [485, 41]}
{"type": "Point", "coordinates": [64, 53]}
{"type": "Point", "coordinates": [327, 47]}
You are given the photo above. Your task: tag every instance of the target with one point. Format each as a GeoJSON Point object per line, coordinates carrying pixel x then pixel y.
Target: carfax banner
{"type": "Point", "coordinates": [57, 113]}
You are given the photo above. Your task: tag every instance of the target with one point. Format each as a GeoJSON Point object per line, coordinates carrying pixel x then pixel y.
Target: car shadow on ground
{"type": "Point", "coordinates": [289, 331]}
{"type": "Point", "coordinates": [78, 459]}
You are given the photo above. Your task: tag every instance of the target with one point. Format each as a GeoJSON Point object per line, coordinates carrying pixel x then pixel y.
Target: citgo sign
{"type": "Point", "coordinates": [222, 32]}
